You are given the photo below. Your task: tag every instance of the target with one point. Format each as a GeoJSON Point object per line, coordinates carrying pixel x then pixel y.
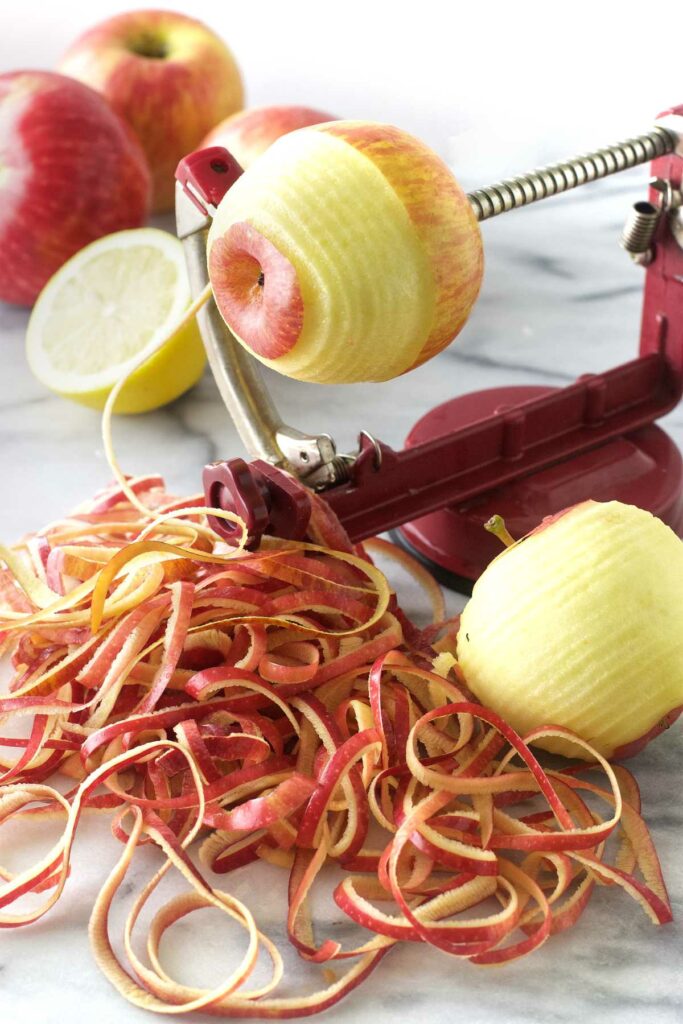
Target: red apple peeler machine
{"type": "Point", "coordinates": [523, 452]}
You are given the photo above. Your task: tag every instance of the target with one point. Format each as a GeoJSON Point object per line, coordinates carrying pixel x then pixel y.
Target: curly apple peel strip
{"type": "Point", "coordinates": [278, 706]}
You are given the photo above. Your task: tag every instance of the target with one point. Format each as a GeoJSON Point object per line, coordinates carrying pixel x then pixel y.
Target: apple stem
{"type": "Point", "coordinates": [151, 46]}
{"type": "Point", "coordinates": [496, 526]}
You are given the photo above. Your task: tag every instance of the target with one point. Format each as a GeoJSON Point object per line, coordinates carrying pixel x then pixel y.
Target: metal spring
{"type": "Point", "coordinates": [640, 228]}
{"type": "Point", "coordinates": [556, 178]}
{"type": "Point", "coordinates": [338, 472]}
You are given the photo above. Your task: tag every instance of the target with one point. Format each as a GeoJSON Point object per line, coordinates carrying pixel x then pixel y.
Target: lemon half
{"type": "Point", "coordinates": [110, 303]}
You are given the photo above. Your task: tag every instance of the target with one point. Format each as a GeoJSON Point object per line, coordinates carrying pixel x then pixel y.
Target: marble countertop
{"type": "Point", "coordinates": [560, 299]}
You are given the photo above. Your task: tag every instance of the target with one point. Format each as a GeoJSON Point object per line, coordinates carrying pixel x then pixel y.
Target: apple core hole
{"type": "Point", "coordinates": [149, 46]}
{"type": "Point", "coordinates": [243, 277]}
{"type": "Point", "coordinates": [256, 290]}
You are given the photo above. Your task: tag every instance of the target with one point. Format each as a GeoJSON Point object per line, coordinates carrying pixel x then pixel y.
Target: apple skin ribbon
{"type": "Point", "coordinates": [278, 706]}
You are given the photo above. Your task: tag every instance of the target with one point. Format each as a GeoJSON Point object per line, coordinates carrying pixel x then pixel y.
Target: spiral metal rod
{"type": "Point", "coordinates": [551, 181]}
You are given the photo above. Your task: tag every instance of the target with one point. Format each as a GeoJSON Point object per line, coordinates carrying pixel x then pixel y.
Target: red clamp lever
{"type": "Point", "coordinates": [389, 488]}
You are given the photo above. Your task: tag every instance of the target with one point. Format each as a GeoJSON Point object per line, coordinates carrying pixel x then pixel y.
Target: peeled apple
{"type": "Point", "coordinates": [580, 624]}
{"type": "Point", "coordinates": [347, 252]}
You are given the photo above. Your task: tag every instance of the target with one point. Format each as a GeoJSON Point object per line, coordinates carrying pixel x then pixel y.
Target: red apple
{"type": "Point", "coordinates": [70, 171]}
{"type": "Point", "coordinates": [169, 76]}
{"type": "Point", "coordinates": [250, 132]}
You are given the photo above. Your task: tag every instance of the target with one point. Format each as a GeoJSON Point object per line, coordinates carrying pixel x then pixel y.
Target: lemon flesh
{"type": "Point", "coordinates": [109, 304]}
{"type": "Point", "coordinates": [581, 625]}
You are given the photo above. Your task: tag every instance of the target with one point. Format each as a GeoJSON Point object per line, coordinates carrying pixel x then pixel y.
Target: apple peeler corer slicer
{"type": "Point", "coordinates": [523, 452]}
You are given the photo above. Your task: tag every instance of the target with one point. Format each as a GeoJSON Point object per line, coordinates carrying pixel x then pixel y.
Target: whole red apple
{"type": "Point", "coordinates": [70, 171]}
{"type": "Point", "coordinates": [250, 132]}
{"type": "Point", "coordinates": [169, 76]}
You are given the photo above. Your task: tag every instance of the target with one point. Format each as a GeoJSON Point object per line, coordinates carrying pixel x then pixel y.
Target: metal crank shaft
{"type": "Point", "coordinates": [524, 189]}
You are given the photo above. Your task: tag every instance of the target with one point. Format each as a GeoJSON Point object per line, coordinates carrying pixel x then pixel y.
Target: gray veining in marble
{"type": "Point", "coordinates": [559, 299]}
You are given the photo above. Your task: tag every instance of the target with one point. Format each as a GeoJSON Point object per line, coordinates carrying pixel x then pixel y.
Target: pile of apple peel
{"type": "Point", "coordinates": [228, 707]}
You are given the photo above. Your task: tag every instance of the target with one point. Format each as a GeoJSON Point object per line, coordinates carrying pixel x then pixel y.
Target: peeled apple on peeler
{"type": "Point", "coordinates": [347, 252]}
{"type": "Point", "coordinates": [580, 624]}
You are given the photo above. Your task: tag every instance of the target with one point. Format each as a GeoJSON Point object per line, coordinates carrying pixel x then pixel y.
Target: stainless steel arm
{"type": "Point", "coordinates": [236, 374]}
{"type": "Point", "coordinates": [239, 380]}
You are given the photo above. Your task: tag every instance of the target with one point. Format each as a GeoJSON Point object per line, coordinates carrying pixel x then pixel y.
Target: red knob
{"type": "Point", "coordinates": [233, 487]}
{"type": "Point", "coordinates": [268, 500]}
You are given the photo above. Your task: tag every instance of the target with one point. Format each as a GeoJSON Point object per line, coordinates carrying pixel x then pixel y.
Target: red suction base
{"type": "Point", "coordinates": [644, 468]}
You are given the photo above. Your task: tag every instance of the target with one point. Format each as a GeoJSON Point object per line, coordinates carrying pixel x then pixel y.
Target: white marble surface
{"type": "Point", "coordinates": [560, 298]}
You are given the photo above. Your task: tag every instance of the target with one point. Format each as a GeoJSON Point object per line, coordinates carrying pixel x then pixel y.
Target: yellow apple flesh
{"type": "Point", "coordinates": [377, 250]}
{"type": "Point", "coordinates": [580, 624]}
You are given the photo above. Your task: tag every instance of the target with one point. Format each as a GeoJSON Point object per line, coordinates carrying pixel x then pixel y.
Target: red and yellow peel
{"type": "Point", "coordinates": [278, 706]}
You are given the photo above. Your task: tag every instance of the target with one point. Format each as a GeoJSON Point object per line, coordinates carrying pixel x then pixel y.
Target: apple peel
{"type": "Point", "coordinates": [278, 706]}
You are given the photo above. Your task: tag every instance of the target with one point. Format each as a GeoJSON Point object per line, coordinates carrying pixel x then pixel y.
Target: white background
{"type": "Point", "coordinates": [494, 87]}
